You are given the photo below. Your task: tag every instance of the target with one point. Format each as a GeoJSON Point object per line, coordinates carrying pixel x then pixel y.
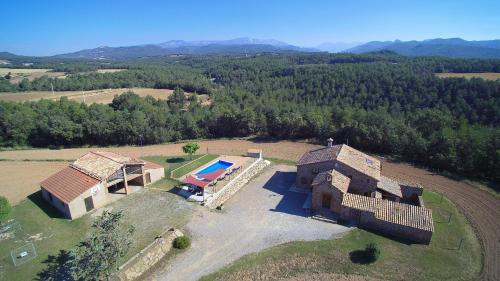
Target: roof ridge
{"type": "Point", "coordinates": [98, 153]}
{"type": "Point", "coordinates": [88, 173]}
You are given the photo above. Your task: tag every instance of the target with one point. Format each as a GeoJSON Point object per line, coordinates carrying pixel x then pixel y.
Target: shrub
{"type": "Point", "coordinates": [372, 252]}
{"type": "Point", "coordinates": [182, 242]}
{"type": "Point", "coordinates": [4, 207]}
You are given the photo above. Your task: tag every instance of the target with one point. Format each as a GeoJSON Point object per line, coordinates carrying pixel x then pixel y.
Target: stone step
{"type": "Point", "coordinates": [323, 218]}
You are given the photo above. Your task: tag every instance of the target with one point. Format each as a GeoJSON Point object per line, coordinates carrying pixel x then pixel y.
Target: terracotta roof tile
{"type": "Point", "coordinates": [68, 184]}
{"type": "Point", "coordinates": [335, 178]}
{"type": "Point", "coordinates": [359, 161]}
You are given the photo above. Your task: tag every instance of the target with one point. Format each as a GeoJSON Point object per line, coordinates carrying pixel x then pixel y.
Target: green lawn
{"type": "Point", "coordinates": [149, 211]}
{"type": "Point", "coordinates": [441, 260]}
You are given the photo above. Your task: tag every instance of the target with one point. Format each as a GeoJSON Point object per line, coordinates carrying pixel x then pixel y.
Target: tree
{"type": "Point", "coordinates": [8, 75]}
{"type": "Point", "coordinates": [96, 257]}
{"type": "Point", "coordinates": [177, 98]}
{"type": "Point", "coordinates": [5, 207]}
{"type": "Point", "coordinates": [190, 148]}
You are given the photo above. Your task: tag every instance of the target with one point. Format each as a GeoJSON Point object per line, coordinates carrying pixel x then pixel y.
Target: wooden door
{"type": "Point", "coordinates": [326, 200]}
{"type": "Point", "coordinates": [89, 203]}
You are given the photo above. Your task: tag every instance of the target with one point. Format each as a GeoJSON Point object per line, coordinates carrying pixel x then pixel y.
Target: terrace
{"type": "Point", "coordinates": [201, 183]}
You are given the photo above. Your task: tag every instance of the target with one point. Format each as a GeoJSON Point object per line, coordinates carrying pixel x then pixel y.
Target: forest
{"type": "Point", "coordinates": [380, 102]}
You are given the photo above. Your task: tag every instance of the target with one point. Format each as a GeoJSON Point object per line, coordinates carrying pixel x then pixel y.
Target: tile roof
{"type": "Point", "coordinates": [68, 184]}
{"type": "Point", "coordinates": [151, 165]}
{"type": "Point", "coordinates": [96, 165]}
{"type": "Point", "coordinates": [320, 155]}
{"type": "Point", "coordinates": [389, 185]}
{"type": "Point", "coordinates": [389, 211]}
{"type": "Point", "coordinates": [335, 178]}
{"type": "Point", "coordinates": [359, 161]}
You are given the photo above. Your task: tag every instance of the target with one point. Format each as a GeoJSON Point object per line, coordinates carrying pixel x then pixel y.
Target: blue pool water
{"type": "Point", "coordinates": [215, 166]}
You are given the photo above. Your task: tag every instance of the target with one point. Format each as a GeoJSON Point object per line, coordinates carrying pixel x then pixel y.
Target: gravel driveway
{"type": "Point", "coordinates": [263, 214]}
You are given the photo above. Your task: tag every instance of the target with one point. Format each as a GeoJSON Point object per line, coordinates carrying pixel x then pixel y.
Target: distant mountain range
{"type": "Point", "coordinates": [233, 46]}
{"type": "Point", "coordinates": [452, 47]}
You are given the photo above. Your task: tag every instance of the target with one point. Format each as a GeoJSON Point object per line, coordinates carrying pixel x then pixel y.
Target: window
{"type": "Point", "coordinates": [350, 177]}
{"type": "Point", "coordinates": [50, 196]}
{"type": "Point", "coordinates": [367, 180]}
{"type": "Point", "coordinates": [315, 170]}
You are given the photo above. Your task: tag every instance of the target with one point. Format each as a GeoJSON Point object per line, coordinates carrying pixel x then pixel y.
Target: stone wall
{"type": "Point", "coordinates": [236, 184]}
{"type": "Point", "coordinates": [307, 173]}
{"type": "Point", "coordinates": [149, 256]}
{"type": "Point", "coordinates": [326, 188]}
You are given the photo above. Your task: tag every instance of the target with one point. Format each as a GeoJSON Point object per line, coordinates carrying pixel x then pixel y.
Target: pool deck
{"type": "Point", "coordinates": [242, 161]}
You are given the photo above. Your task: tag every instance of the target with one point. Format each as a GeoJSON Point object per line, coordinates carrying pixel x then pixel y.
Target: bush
{"type": "Point", "coordinates": [4, 207]}
{"type": "Point", "coordinates": [372, 252]}
{"type": "Point", "coordinates": [182, 242]}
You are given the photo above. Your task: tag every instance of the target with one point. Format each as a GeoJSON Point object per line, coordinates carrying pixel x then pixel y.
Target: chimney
{"type": "Point", "coordinates": [330, 142]}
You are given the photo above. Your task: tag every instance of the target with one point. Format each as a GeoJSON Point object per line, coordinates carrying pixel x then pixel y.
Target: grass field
{"type": "Point", "coordinates": [485, 75]}
{"type": "Point", "coordinates": [19, 74]}
{"type": "Point", "coordinates": [149, 211]}
{"type": "Point", "coordinates": [441, 260]}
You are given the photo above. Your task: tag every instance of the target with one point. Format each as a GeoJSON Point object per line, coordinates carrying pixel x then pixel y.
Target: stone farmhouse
{"type": "Point", "coordinates": [347, 183]}
{"type": "Point", "coordinates": [96, 179]}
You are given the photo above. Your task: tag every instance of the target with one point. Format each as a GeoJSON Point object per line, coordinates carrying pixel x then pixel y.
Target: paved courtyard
{"type": "Point", "coordinates": [263, 214]}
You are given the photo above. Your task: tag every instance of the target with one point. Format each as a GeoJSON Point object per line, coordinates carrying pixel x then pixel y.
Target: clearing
{"type": "Point", "coordinates": [31, 74]}
{"type": "Point", "coordinates": [22, 178]}
{"type": "Point", "coordinates": [262, 214]}
{"type": "Point", "coordinates": [94, 96]}
{"type": "Point", "coordinates": [443, 259]}
{"type": "Point", "coordinates": [484, 75]}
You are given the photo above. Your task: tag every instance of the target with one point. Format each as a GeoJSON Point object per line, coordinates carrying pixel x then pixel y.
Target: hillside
{"type": "Point", "coordinates": [453, 48]}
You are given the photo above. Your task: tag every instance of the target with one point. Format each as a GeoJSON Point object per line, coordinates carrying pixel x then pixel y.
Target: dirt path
{"type": "Point", "coordinates": [481, 208]}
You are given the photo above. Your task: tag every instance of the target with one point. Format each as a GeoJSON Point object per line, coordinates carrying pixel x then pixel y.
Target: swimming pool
{"type": "Point", "coordinates": [215, 166]}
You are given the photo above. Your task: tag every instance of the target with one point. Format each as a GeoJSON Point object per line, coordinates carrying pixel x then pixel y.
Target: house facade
{"type": "Point", "coordinates": [96, 179]}
{"type": "Point", "coordinates": [336, 174]}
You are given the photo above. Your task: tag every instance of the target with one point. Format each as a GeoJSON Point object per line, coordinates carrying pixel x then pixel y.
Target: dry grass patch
{"type": "Point", "coordinates": [22, 178]}
{"type": "Point", "coordinates": [31, 74]}
{"type": "Point", "coordinates": [95, 96]}
{"type": "Point", "coordinates": [111, 70]}
{"type": "Point", "coordinates": [484, 75]}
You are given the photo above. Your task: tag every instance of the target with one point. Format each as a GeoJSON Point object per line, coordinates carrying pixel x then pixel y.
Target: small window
{"type": "Point", "coordinates": [315, 170]}
{"type": "Point", "coordinates": [350, 176]}
{"type": "Point", "coordinates": [50, 196]}
{"type": "Point", "coordinates": [367, 180]}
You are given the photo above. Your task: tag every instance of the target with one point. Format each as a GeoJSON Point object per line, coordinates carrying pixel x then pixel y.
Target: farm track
{"type": "Point", "coordinates": [481, 208]}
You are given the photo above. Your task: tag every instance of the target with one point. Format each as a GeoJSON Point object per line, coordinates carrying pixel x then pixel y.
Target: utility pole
{"type": "Point", "coordinates": [52, 87]}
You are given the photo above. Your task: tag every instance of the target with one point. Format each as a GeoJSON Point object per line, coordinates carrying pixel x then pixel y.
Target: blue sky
{"type": "Point", "coordinates": [52, 27]}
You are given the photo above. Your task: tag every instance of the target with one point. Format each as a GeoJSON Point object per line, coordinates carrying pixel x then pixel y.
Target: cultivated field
{"type": "Point", "coordinates": [19, 74]}
{"type": "Point", "coordinates": [21, 178]}
{"type": "Point", "coordinates": [95, 96]}
{"type": "Point", "coordinates": [485, 75]}
{"type": "Point", "coordinates": [481, 208]}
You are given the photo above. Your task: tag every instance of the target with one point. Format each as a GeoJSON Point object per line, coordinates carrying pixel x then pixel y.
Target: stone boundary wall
{"type": "Point", "coordinates": [236, 184]}
{"type": "Point", "coordinates": [149, 256]}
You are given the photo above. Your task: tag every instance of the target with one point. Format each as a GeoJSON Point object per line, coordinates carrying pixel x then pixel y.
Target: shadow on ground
{"type": "Point", "coordinates": [292, 202]}
{"type": "Point", "coordinates": [176, 160]}
{"type": "Point", "coordinates": [45, 206]}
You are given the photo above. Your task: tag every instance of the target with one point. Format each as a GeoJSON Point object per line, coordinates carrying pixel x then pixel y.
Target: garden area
{"type": "Point", "coordinates": [453, 254]}
{"type": "Point", "coordinates": [35, 221]}
{"type": "Point", "coordinates": [177, 166]}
